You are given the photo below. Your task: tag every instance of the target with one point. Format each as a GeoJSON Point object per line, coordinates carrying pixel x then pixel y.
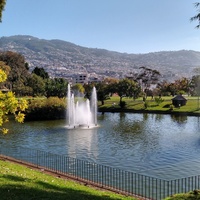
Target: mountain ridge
{"type": "Point", "coordinates": [62, 58]}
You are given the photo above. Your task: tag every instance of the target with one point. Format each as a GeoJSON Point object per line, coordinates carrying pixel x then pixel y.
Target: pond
{"type": "Point", "coordinates": [162, 146]}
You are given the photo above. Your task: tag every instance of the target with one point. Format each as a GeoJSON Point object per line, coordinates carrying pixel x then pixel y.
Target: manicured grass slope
{"type": "Point", "coordinates": [21, 183]}
{"type": "Point", "coordinates": [193, 195]}
{"type": "Point", "coordinates": [192, 105]}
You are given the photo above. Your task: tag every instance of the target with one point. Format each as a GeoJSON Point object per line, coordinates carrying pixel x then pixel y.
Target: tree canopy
{"type": "Point", "coordinates": [197, 16]}
{"type": "Point", "coordinates": [127, 88]}
{"type": "Point", "coordinates": [41, 72]}
{"type": "Point", "coordinates": [56, 87]}
{"type": "Point", "coordinates": [147, 77]}
{"type": "Point", "coordinates": [17, 78]}
{"type": "Point", "coordinates": [9, 104]}
{"type": "Point", "coordinates": [2, 5]}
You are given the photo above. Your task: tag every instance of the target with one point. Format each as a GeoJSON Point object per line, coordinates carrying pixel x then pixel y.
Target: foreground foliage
{"type": "Point", "coordinates": [193, 195]}
{"type": "Point", "coordinates": [2, 5]}
{"type": "Point", "coordinates": [9, 104]}
{"type": "Point", "coordinates": [18, 182]}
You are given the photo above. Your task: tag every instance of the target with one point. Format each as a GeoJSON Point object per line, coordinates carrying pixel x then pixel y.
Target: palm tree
{"type": "Point", "coordinates": [197, 17]}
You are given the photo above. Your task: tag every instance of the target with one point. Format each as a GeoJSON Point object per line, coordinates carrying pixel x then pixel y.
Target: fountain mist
{"type": "Point", "coordinates": [82, 113]}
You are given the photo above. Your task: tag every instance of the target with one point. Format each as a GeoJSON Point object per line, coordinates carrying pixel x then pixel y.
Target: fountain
{"type": "Point", "coordinates": [82, 113]}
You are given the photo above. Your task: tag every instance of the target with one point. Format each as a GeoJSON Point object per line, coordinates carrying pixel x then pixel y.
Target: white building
{"type": "Point", "coordinates": [80, 78]}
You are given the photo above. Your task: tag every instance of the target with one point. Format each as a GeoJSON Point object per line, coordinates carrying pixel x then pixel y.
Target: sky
{"type": "Point", "coordinates": [127, 26]}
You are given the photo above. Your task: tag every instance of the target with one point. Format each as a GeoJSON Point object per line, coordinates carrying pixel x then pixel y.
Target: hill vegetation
{"type": "Point", "coordinates": [61, 59]}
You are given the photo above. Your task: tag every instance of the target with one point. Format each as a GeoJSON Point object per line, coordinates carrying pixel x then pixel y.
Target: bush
{"type": "Point", "coordinates": [171, 107]}
{"type": "Point", "coordinates": [46, 109]}
{"type": "Point", "coordinates": [181, 92]}
{"type": "Point", "coordinates": [158, 101]}
{"type": "Point", "coordinates": [167, 105]}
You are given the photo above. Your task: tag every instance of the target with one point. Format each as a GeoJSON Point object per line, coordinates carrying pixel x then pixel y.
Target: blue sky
{"type": "Point", "coordinates": [131, 26]}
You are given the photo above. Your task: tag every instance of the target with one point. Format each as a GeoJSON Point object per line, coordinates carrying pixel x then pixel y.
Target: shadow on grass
{"type": "Point", "coordinates": [40, 190]}
{"type": "Point", "coordinates": [13, 178]}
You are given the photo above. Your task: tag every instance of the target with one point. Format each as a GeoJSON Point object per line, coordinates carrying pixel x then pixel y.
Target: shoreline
{"type": "Point", "coordinates": [118, 110]}
{"type": "Point", "coordinates": [62, 115]}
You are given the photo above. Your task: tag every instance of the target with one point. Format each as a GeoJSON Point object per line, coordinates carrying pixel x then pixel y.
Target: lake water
{"type": "Point", "coordinates": [162, 146]}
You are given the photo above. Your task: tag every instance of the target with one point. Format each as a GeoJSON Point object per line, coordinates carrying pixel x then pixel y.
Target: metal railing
{"type": "Point", "coordinates": [104, 176]}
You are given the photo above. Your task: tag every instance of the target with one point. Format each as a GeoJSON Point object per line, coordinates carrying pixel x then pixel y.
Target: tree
{"type": "Point", "coordinates": [21, 90]}
{"type": "Point", "coordinates": [78, 89]}
{"type": "Point", "coordinates": [56, 87]}
{"type": "Point", "coordinates": [40, 72]}
{"type": "Point", "coordinates": [197, 16]}
{"type": "Point", "coordinates": [102, 92]}
{"type": "Point", "coordinates": [27, 66]}
{"type": "Point", "coordinates": [9, 104]}
{"type": "Point", "coordinates": [164, 88]}
{"type": "Point", "coordinates": [127, 88]}
{"type": "Point", "coordinates": [2, 5]}
{"type": "Point", "coordinates": [4, 67]}
{"type": "Point", "coordinates": [182, 84]}
{"type": "Point", "coordinates": [134, 90]}
{"type": "Point", "coordinates": [148, 77]}
{"type": "Point", "coordinates": [37, 84]}
{"type": "Point", "coordinates": [111, 85]}
{"type": "Point", "coordinates": [195, 87]}
{"type": "Point", "coordinates": [19, 74]}
{"type": "Point", "coordinates": [88, 90]}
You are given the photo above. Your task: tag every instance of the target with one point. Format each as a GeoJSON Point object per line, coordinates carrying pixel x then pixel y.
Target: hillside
{"type": "Point", "coordinates": [61, 58]}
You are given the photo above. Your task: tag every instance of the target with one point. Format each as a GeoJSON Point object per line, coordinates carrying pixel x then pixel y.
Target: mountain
{"type": "Point", "coordinates": [63, 59]}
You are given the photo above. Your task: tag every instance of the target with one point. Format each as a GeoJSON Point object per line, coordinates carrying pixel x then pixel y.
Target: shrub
{"type": "Point", "coordinates": [171, 107]}
{"type": "Point", "coordinates": [158, 101]}
{"type": "Point", "coordinates": [167, 105]}
{"type": "Point", "coordinates": [55, 102]}
{"type": "Point", "coordinates": [181, 92]}
{"type": "Point", "coordinates": [46, 109]}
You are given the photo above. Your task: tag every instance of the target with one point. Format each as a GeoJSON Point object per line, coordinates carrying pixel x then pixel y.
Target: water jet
{"type": "Point", "coordinates": [81, 113]}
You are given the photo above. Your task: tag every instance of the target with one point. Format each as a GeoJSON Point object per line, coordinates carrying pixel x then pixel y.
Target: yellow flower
{"type": "Point", "coordinates": [4, 131]}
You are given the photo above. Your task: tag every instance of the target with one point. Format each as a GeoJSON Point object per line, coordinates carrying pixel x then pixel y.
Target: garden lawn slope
{"type": "Point", "coordinates": [192, 106]}
{"type": "Point", "coordinates": [18, 182]}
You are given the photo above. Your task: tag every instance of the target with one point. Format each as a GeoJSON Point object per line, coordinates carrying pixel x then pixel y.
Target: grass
{"type": "Point", "coordinates": [192, 105]}
{"type": "Point", "coordinates": [194, 195]}
{"type": "Point", "coordinates": [18, 182]}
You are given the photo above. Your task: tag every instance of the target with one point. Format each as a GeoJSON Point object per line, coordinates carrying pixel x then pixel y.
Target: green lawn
{"type": "Point", "coordinates": [194, 195]}
{"type": "Point", "coordinates": [21, 183]}
{"type": "Point", "coordinates": [18, 182]}
{"type": "Point", "coordinates": [192, 105]}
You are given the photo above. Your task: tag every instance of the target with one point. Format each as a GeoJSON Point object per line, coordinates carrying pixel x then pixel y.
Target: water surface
{"type": "Point", "coordinates": [157, 145]}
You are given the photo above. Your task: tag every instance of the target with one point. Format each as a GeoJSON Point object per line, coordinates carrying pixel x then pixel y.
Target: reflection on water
{"type": "Point", "coordinates": [152, 144]}
{"type": "Point", "coordinates": [82, 141]}
{"type": "Point", "coordinates": [179, 119]}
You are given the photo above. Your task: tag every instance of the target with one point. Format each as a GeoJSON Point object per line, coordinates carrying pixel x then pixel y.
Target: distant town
{"type": "Point", "coordinates": [80, 65]}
